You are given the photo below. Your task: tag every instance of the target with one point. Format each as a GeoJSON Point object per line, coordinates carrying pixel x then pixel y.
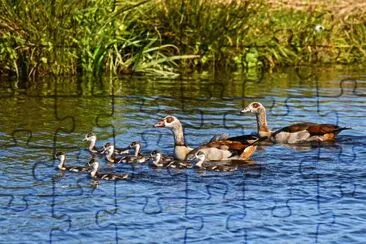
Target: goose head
{"type": "Point", "coordinates": [254, 107]}
{"type": "Point", "coordinates": [169, 121]}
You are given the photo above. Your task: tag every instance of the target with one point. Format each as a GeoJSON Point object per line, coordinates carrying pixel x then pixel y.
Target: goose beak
{"type": "Point", "coordinates": [245, 110]}
{"type": "Point", "coordinates": [85, 139]}
{"type": "Point", "coordinates": [159, 124]}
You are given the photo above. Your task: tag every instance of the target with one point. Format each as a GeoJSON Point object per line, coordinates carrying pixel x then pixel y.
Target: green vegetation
{"type": "Point", "coordinates": [165, 37]}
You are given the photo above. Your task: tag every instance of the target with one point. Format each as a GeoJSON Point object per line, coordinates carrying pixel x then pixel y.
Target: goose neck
{"type": "Point", "coordinates": [178, 135]}
{"type": "Point", "coordinates": [262, 122]}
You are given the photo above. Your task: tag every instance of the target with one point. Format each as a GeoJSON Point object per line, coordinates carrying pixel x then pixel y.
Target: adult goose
{"type": "Point", "coordinates": [180, 147]}
{"type": "Point", "coordinates": [296, 133]}
{"type": "Point", "coordinates": [219, 147]}
{"type": "Point", "coordinates": [226, 150]}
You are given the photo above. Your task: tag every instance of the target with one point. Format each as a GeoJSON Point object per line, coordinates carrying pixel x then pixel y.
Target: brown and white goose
{"type": "Point", "coordinates": [61, 156]}
{"type": "Point", "coordinates": [94, 164]}
{"type": "Point", "coordinates": [219, 148]}
{"type": "Point", "coordinates": [296, 133]}
{"type": "Point", "coordinates": [180, 147]}
{"type": "Point", "coordinates": [226, 150]}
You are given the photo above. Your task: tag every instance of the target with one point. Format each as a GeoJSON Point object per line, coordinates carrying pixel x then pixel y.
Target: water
{"type": "Point", "coordinates": [290, 194]}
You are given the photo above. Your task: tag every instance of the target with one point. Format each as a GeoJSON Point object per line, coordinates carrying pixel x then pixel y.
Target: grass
{"type": "Point", "coordinates": [166, 37]}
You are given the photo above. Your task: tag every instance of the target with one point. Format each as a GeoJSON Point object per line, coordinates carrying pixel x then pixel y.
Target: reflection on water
{"type": "Point", "coordinates": [302, 193]}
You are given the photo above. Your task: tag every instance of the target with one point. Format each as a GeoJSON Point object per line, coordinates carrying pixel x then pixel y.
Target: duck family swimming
{"type": "Point", "coordinates": [223, 149]}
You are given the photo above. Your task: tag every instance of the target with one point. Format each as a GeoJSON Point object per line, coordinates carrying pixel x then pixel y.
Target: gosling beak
{"type": "Point", "coordinates": [159, 124]}
{"type": "Point", "coordinates": [103, 151]}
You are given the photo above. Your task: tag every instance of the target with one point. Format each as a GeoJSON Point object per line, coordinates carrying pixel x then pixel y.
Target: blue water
{"type": "Point", "coordinates": [290, 195]}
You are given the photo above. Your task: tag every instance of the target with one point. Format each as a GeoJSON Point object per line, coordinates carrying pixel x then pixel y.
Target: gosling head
{"type": "Point", "coordinates": [108, 148]}
{"type": "Point", "coordinates": [155, 155]}
{"type": "Point", "coordinates": [201, 157]}
{"type": "Point", "coordinates": [90, 137]}
{"type": "Point", "coordinates": [135, 144]}
{"type": "Point", "coordinates": [60, 156]}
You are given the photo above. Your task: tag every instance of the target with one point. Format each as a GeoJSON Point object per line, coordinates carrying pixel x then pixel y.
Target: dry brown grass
{"type": "Point", "coordinates": [342, 9]}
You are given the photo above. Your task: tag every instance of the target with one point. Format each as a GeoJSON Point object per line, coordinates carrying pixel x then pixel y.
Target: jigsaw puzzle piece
{"type": "Point", "coordinates": [21, 137]}
{"type": "Point", "coordinates": [15, 203]}
{"type": "Point", "coordinates": [348, 87]}
{"type": "Point", "coordinates": [40, 203]}
{"type": "Point", "coordinates": [360, 87]}
{"type": "Point", "coordinates": [311, 220]}
{"type": "Point", "coordinates": [215, 195]}
{"type": "Point", "coordinates": [141, 211]}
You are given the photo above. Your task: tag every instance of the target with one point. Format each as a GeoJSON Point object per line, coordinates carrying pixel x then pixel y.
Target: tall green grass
{"type": "Point", "coordinates": [164, 37]}
{"type": "Point", "coordinates": [73, 37]}
{"type": "Point", "coordinates": [214, 30]}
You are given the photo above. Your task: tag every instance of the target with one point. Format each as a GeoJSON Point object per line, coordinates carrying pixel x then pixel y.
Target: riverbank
{"type": "Point", "coordinates": [167, 37]}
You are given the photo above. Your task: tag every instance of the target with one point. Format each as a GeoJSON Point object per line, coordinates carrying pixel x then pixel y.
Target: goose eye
{"type": "Point", "coordinates": [255, 105]}
{"type": "Point", "coordinates": [169, 119]}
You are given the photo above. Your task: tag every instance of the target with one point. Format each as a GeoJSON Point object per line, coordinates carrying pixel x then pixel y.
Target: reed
{"type": "Point", "coordinates": [165, 37]}
{"type": "Point", "coordinates": [77, 37]}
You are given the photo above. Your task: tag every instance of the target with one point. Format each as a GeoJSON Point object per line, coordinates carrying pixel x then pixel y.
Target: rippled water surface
{"type": "Point", "coordinates": [287, 195]}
